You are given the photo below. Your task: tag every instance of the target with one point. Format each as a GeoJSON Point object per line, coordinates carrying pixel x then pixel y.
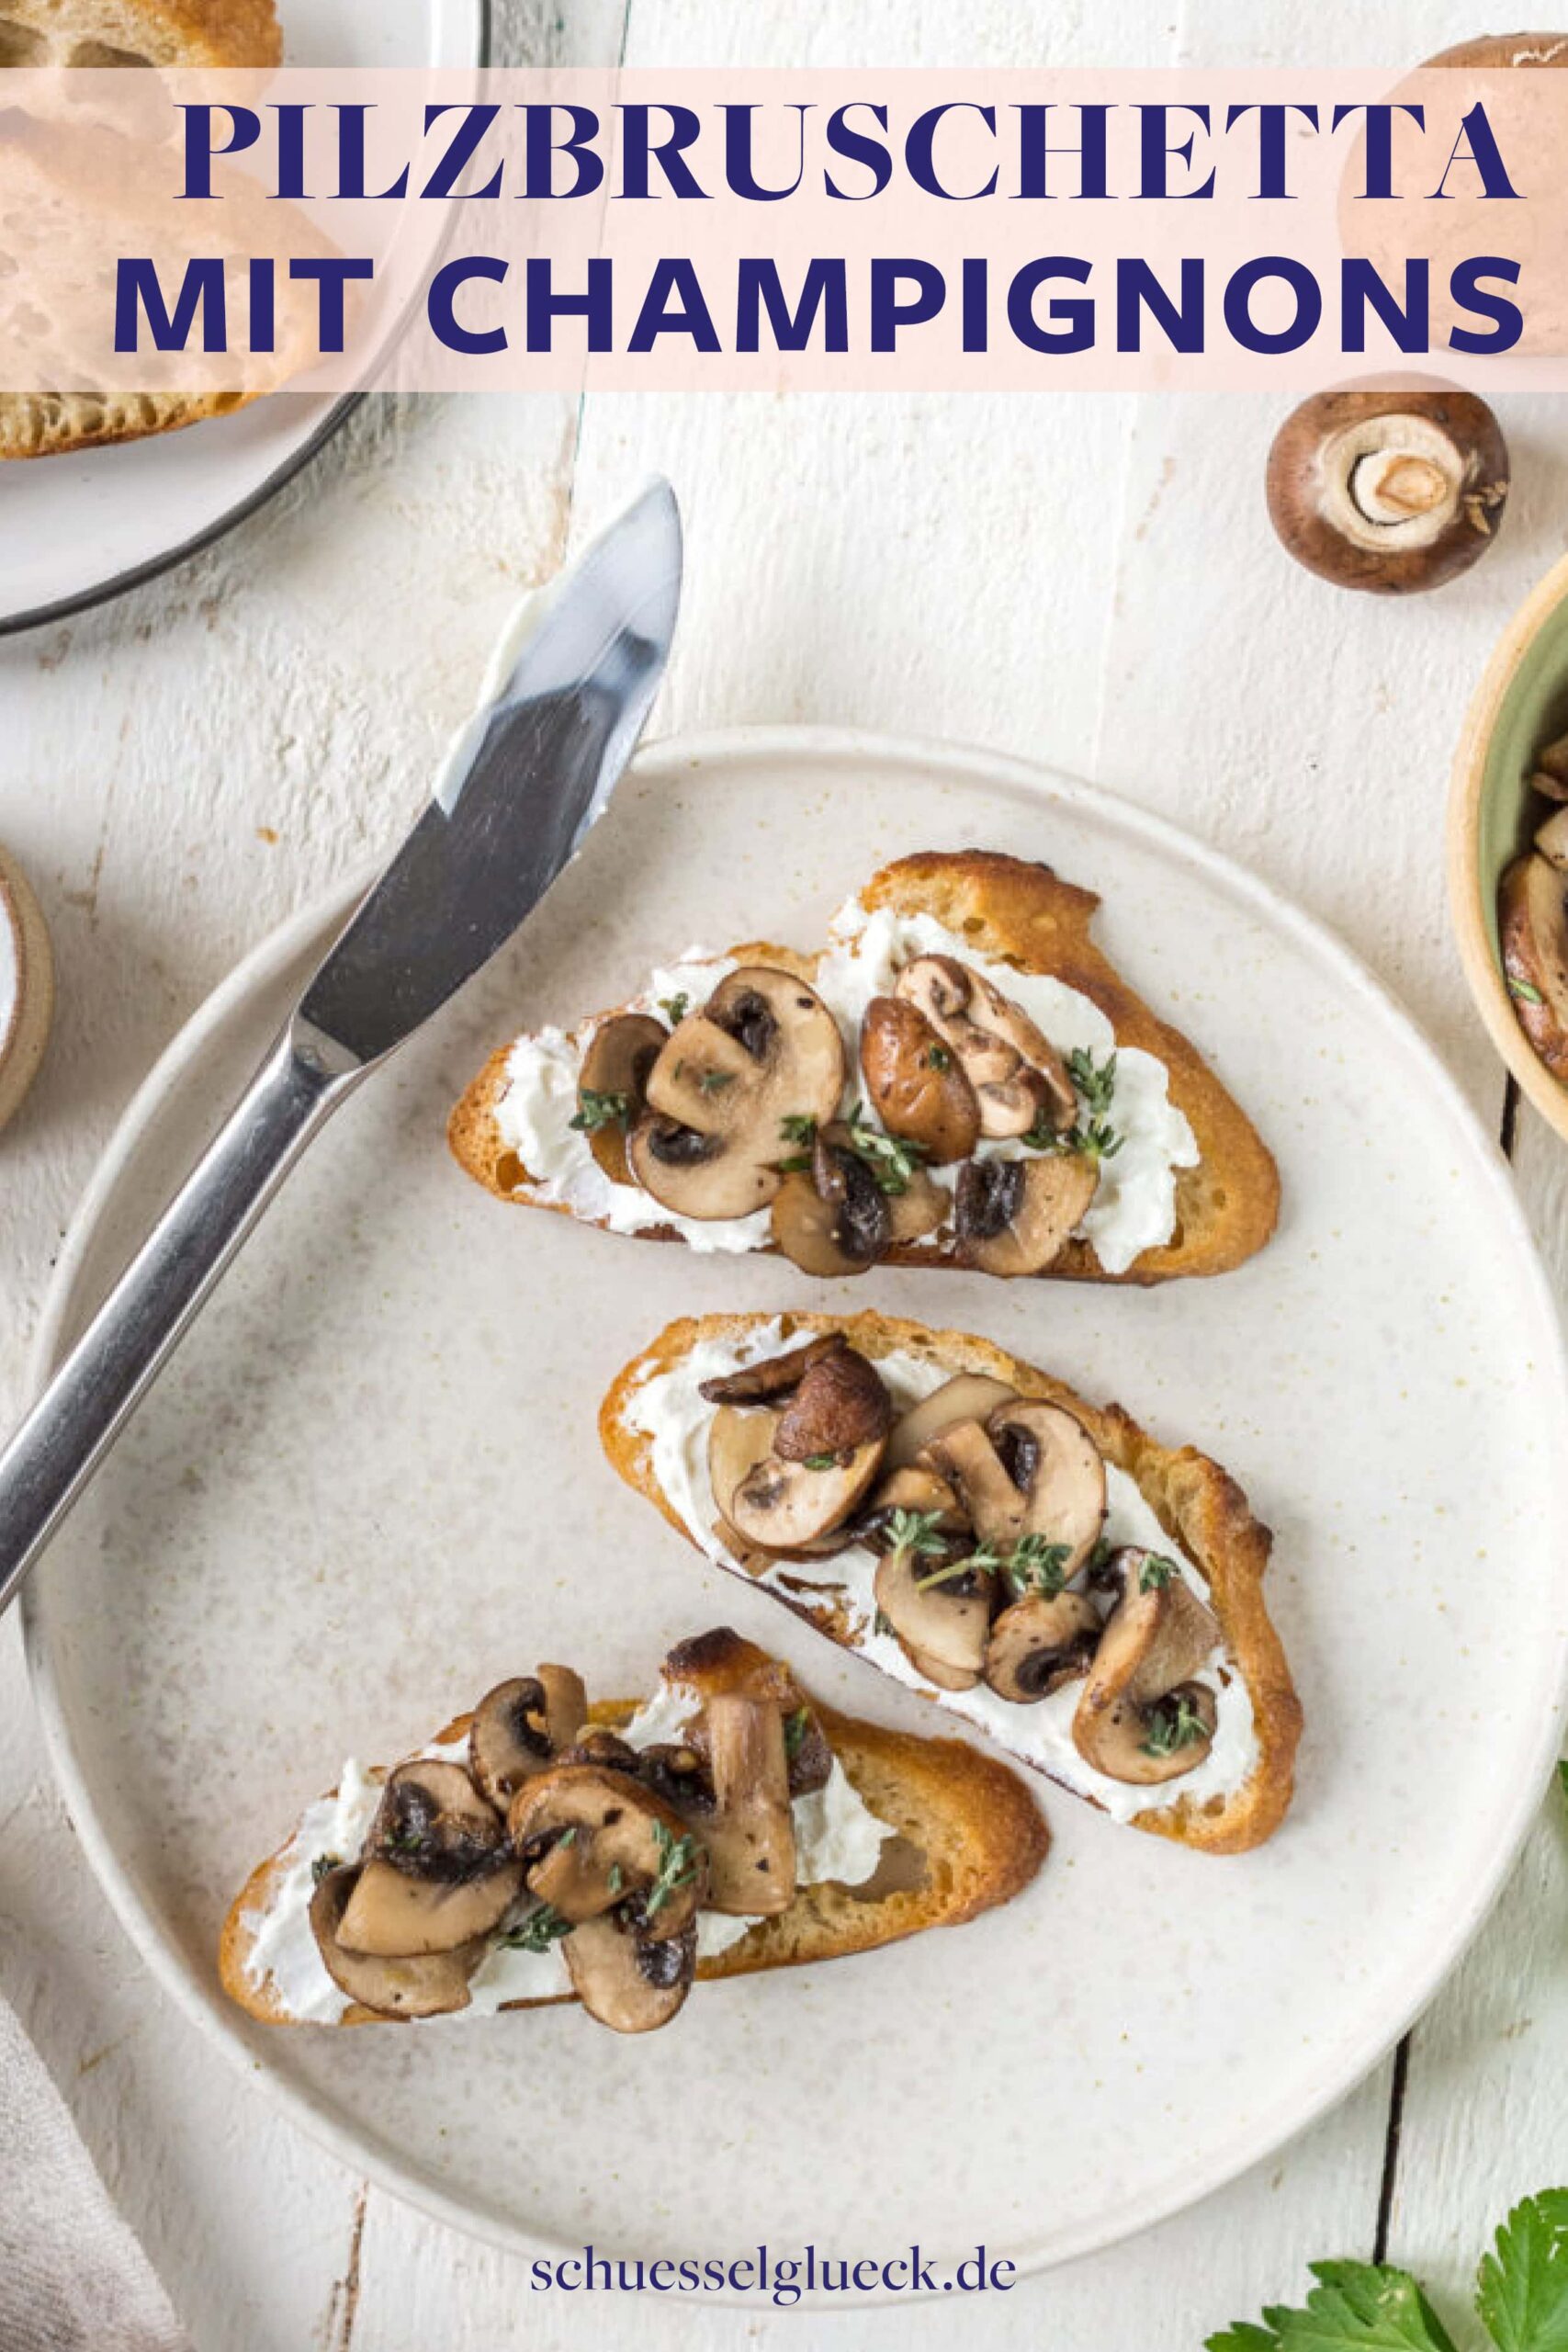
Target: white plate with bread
{"type": "Point", "coordinates": [86, 522]}
{"type": "Point", "coordinates": [369, 1512]}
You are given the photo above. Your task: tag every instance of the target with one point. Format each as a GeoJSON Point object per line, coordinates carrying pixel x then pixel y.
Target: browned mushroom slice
{"type": "Point", "coordinates": [921, 1208]}
{"type": "Point", "coordinates": [1142, 1718]}
{"type": "Point", "coordinates": [967, 1396]}
{"type": "Point", "coordinates": [1533, 913]}
{"type": "Point", "coordinates": [840, 1404]}
{"type": "Point", "coordinates": [1390, 491]}
{"type": "Point", "coordinates": [783, 1506]}
{"type": "Point", "coordinates": [916, 1486]}
{"type": "Point", "coordinates": [427, 1986]}
{"type": "Point", "coordinates": [916, 1082]}
{"type": "Point", "coordinates": [1018, 1078]}
{"type": "Point", "coordinates": [836, 1219]}
{"type": "Point", "coordinates": [590, 1839]}
{"type": "Point", "coordinates": [392, 1916]}
{"type": "Point", "coordinates": [749, 1836]}
{"type": "Point", "coordinates": [520, 1725]}
{"type": "Point", "coordinates": [610, 1086]}
{"type": "Point", "coordinates": [763, 1050]}
{"type": "Point", "coordinates": [1039, 1643]}
{"type": "Point", "coordinates": [432, 1822]}
{"type": "Point", "coordinates": [1551, 838]}
{"type": "Point", "coordinates": [942, 1625]}
{"type": "Point", "coordinates": [628, 1981]}
{"type": "Point", "coordinates": [1033, 1470]}
{"type": "Point", "coordinates": [1016, 1216]}
{"type": "Point", "coordinates": [774, 1378]}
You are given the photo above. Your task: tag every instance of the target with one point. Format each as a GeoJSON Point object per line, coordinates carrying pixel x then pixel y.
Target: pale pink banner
{"type": "Point", "coordinates": [824, 231]}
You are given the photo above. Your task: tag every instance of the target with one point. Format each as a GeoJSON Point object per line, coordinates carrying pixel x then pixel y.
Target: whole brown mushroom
{"type": "Point", "coordinates": [1392, 492]}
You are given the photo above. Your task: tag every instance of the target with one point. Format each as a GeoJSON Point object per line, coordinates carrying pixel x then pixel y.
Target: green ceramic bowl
{"type": "Point", "coordinates": [1521, 703]}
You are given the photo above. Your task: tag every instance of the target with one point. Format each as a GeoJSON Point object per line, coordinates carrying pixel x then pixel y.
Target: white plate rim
{"type": "Point", "coordinates": [960, 762]}
{"type": "Point", "coordinates": [137, 575]}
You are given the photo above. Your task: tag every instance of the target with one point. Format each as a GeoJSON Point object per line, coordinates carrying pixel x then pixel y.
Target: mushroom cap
{"type": "Point", "coordinates": [1390, 491]}
{"type": "Point", "coordinates": [812, 1232]}
{"type": "Point", "coordinates": [618, 1058]}
{"type": "Point", "coordinates": [839, 1404]}
{"type": "Point", "coordinates": [917, 1084]}
{"type": "Point", "coordinates": [940, 1626]}
{"type": "Point", "coordinates": [764, 1048]}
{"type": "Point", "coordinates": [431, 1823]}
{"type": "Point", "coordinates": [626, 1980]}
{"type": "Point", "coordinates": [1016, 1216]}
{"type": "Point", "coordinates": [779, 1505]}
{"type": "Point", "coordinates": [591, 1839]}
{"type": "Point", "coordinates": [1033, 1470]}
{"type": "Point", "coordinates": [967, 1396]}
{"type": "Point", "coordinates": [1039, 1643]}
{"type": "Point", "coordinates": [775, 1377]}
{"type": "Point", "coordinates": [1532, 907]}
{"type": "Point", "coordinates": [424, 1986]}
{"type": "Point", "coordinates": [519, 1724]}
{"type": "Point", "coordinates": [391, 1915]}
{"type": "Point", "coordinates": [1017, 1076]}
{"type": "Point", "coordinates": [1551, 838]}
{"type": "Point", "coordinates": [1156, 1638]}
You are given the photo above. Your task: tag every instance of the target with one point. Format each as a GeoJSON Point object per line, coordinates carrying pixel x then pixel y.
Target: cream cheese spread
{"type": "Point", "coordinates": [669, 1409]}
{"type": "Point", "coordinates": [1133, 1208]}
{"type": "Point", "coordinates": [836, 1838]}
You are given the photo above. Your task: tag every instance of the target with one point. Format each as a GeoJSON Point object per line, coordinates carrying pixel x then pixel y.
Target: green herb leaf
{"type": "Point", "coordinates": [596, 1111]}
{"type": "Point", "coordinates": [673, 1008]}
{"type": "Point", "coordinates": [1521, 2292]}
{"type": "Point", "coordinates": [915, 1535]}
{"type": "Point", "coordinates": [1092, 1136]}
{"type": "Point", "coordinates": [795, 1728]}
{"type": "Point", "coordinates": [1036, 1565]}
{"type": "Point", "coordinates": [408, 1841]}
{"type": "Point", "coordinates": [938, 1057]}
{"type": "Point", "coordinates": [1157, 1572]}
{"type": "Point", "coordinates": [617, 1878]}
{"type": "Point", "coordinates": [324, 1867]}
{"type": "Point", "coordinates": [1526, 991]}
{"type": "Point", "coordinates": [1355, 2307]}
{"type": "Point", "coordinates": [881, 1623]}
{"type": "Point", "coordinates": [893, 1162]}
{"type": "Point", "coordinates": [567, 1838]}
{"type": "Point", "coordinates": [677, 1868]}
{"type": "Point", "coordinates": [821, 1460]}
{"type": "Point", "coordinates": [799, 1128]}
{"type": "Point", "coordinates": [538, 1932]}
{"type": "Point", "coordinates": [1174, 1723]}
{"type": "Point", "coordinates": [714, 1081]}
{"type": "Point", "coordinates": [1096, 1084]}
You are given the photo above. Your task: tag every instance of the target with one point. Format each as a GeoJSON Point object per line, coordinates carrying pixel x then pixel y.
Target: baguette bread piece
{"type": "Point", "coordinates": [1024, 915]}
{"type": "Point", "coordinates": [1199, 1506]}
{"type": "Point", "coordinates": [112, 181]}
{"type": "Point", "coordinates": [968, 1837]}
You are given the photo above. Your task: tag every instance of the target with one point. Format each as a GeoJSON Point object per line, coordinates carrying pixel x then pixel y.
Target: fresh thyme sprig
{"type": "Point", "coordinates": [916, 1533]}
{"type": "Point", "coordinates": [673, 1008]}
{"type": "Point", "coordinates": [893, 1162]}
{"type": "Point", "coordinates": [795, 1728]}
{"type": "Point", "coordinates": [677, 1868]}
{"type": "Point", "coordinates": [595, 1110]}
{"type": "Point", "coordinates": [324, 1867]}
{"type": "Point", "coordinates": [1174, 1723]}
{"type": "Point", "coordinates": [1092, 1136]}
{"type": "Point", "coordinates": [538, 1932]}
{"type": "Point", "coordinates": [1157, 1572]}
{"type": "Point", "coordinates": [1037, 1565]}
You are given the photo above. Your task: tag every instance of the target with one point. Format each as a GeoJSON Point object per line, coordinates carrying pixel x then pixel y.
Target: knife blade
{"type": "Point", "coordinates": [567, 698]}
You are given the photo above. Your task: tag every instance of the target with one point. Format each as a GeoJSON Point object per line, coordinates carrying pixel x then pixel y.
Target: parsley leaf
{"type": "Point", "coordinates": [538, 1932]}
{"type": "Point", "coordinates": [1521, 2292]}
{"type": "Point", "coordinates": [595, 1110]}
{"type": "Point", "coordinates": [1355, 2307]}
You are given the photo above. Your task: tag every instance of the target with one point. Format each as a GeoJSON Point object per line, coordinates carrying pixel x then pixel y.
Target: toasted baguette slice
{"type": "Point", "coordinates": [969, 1837]}
{"type": "Point", "coordinates": [139, 32]}
{"type": "Point", "coordinates": [1199, 1506]}
{"type": "Point", "coordinates": [1005, 908]}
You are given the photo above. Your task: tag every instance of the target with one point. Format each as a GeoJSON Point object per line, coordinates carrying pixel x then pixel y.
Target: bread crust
{"type": "Point", "coordinates": [1199, 1504]}
{"type": "Point", "coordinates": [982, 1836]}
{"type": "Point", "coordinates": [162, 32]}
{"type": "Point", "coordinates": [1226, 1207]}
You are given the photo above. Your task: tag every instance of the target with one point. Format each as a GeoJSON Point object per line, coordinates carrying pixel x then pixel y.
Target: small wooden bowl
{"type": "Point", "coordinates": [26, 986]}
{"type": "Point", "coordinates": [1521, 703]}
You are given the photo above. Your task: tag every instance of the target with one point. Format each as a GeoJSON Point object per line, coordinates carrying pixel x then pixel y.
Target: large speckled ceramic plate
{"type": "Point", "coordinates": [371, 1486]}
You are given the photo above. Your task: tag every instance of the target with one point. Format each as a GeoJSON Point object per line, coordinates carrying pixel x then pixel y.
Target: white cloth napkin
{"type": "Point", "coordinates": [71, 2275]}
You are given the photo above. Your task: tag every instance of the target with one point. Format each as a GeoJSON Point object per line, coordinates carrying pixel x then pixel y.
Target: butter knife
{"type": "Point", "coordinates": [510, 806]}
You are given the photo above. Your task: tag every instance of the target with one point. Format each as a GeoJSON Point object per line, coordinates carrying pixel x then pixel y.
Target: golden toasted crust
{"type": "Point", "coordinates": [1199, 1505]}
{"type": "Point", "coordinates": [151, 32]}
{"type": "Point", "coordinates": [1226, 1207]}
{"type": "Point", "coordinates": [978, 1832]}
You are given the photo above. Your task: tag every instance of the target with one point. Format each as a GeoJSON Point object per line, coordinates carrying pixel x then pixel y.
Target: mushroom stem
{"type": "Point", "coordinates": [750, 1839]}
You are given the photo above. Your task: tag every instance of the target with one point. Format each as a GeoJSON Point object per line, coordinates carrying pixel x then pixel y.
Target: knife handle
{"type": "Point", "coordinates": [87, 1403]}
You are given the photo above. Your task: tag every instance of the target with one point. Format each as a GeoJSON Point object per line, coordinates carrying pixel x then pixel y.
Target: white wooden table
{"type": "Point", "coordinates": [1089, 581]}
